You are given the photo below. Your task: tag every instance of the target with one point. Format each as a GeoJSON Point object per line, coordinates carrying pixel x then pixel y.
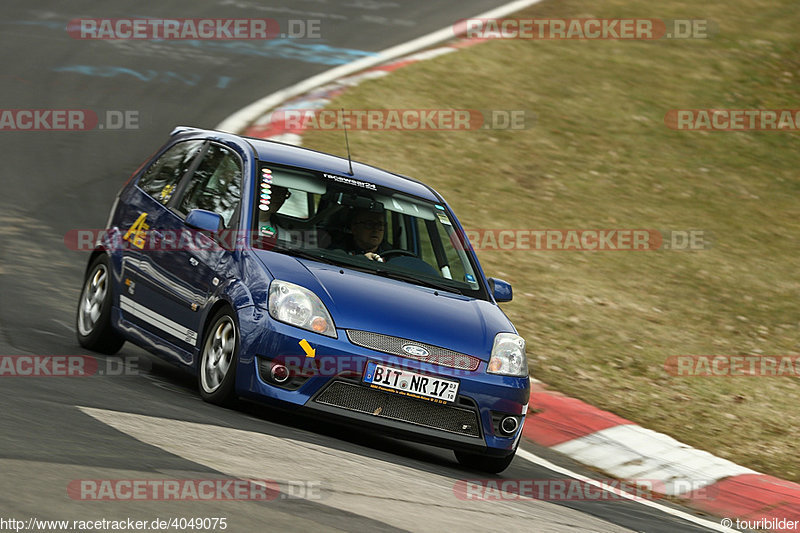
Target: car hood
{"type": "Point", "coordinates": [363, 301]}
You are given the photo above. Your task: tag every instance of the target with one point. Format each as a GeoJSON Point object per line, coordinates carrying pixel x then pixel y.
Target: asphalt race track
{"type": "Point", "coordinates": [149, 422]}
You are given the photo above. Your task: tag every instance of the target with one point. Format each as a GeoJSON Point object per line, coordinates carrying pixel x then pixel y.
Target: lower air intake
{"type": "Point", "coordinates": [354, 397]}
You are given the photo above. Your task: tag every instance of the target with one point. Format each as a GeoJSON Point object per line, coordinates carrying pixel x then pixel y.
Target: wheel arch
{"type": "Point", "coordinates": [220, 303]}
{"type": "Point", "coordinates": [97, 252]}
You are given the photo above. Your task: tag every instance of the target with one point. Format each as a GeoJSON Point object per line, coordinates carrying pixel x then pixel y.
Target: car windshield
{"type": "Point", "coordinates": [355, 224]}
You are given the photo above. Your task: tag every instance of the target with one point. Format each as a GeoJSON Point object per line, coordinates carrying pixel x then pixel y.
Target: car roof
{"type": "Point", "coordinates": [297, 156]}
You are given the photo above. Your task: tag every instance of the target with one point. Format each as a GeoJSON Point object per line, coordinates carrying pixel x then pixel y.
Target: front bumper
{"type": "Point", "coordinates": [334, 389]}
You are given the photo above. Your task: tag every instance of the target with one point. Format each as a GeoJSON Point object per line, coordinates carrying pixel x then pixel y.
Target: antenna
{"type": "Point", "coordinates": [347, 143]}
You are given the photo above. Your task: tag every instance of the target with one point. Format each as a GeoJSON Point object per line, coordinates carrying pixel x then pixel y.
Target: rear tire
{"type": "Point", "coordinates": [93, 319]}
{"type": "Point", "coordinates": [484, 463]}
{"type": "Point", "coordinates": [216, 373]}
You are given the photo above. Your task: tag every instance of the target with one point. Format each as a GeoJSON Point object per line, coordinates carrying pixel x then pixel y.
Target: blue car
{"type": "Point", "coordinates": [291, 277]}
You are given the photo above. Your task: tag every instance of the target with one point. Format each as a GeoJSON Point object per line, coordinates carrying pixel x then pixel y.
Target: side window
{"type": "Point", "coordinates": [216, 184]}
{"type": "Point", "coordinates": [161, 179]}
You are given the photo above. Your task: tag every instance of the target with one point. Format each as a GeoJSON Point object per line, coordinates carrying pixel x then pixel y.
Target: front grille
{"type": "Point", "coordinates": [394, 345]}
{"type": "Point", "coordinates": [395, 407]}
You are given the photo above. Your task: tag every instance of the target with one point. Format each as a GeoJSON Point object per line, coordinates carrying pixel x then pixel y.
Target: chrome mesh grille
{"type": "Point", "coordinates": [394, 345]}
{"type": "Point", "coordinates": [395, 407]}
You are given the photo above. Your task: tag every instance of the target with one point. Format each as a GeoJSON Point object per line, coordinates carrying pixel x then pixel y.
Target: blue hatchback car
{"type": "Point", "coordinates": [288, 276]}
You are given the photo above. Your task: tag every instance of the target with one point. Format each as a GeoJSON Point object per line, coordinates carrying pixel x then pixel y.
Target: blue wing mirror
{"type": "Point", "coordinates": [501, 290]}
{"type": "Point", "coordinates": [204, 220]}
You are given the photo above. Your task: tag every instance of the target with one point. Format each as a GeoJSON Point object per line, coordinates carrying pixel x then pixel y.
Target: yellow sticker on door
{"type": "Point", "coordinates": [138, 232]}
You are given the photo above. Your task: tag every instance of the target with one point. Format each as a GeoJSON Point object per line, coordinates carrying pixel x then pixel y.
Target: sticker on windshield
{"type": "Point", "coordinates": [266, 190]}
{"type": "Point", "coordinates": [470, 278]}
{"type": "Point", "coordinates": [443, 219]}
{"type": "Point", "coordinates": [351, 181]}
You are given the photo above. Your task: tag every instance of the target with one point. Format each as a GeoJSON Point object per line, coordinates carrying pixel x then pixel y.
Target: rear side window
{"type": "Point", "coordinates": [216, 184]}
{"type": "Point", "coordinates": [161, 179]}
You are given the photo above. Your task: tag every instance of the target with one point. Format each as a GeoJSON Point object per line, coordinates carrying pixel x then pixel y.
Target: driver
{"type": "Point", "coordinates": [367, 229]}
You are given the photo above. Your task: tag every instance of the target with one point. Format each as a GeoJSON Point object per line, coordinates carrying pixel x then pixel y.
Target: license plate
{"type": "Point", "coordinates": [410, 384]}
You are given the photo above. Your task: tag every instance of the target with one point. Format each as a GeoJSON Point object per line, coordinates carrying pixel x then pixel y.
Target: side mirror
{"type": "Point", "coordinates": [501, 290]}
{"type": "Point", "coordinates": [204, 220]}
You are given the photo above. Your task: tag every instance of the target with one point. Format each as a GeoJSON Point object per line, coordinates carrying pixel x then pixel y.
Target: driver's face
{"type": "Point", "coordinates": [368, 230]}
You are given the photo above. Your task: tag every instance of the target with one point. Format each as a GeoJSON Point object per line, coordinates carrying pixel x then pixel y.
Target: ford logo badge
{"type": "Point", "coordinates": [416, 351]}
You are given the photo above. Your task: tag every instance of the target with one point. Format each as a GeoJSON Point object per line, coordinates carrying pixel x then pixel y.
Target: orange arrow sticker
{"type": "Point", "coordinates": [310, 352]}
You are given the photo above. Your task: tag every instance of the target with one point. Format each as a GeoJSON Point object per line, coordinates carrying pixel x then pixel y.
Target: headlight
{"type": "Point", "coordinates": [299, 307]}
{"type": "Point", "coordinates": [508, 356]}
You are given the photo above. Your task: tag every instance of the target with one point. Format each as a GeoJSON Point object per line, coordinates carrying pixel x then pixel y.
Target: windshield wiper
{"type": "Point", "coordinates": [412, 279]}
{"type": "Point", "coordinates": [361, 266]}
{"type": "Point", "coordinates": [299, 252]}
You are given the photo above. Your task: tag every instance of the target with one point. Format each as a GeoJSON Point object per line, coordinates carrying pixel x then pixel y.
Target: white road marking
{"type": "Point", "coordinates": [628, 451]}
{"type": "Point", "coordinates": [535, 459]}
{"type": "Point", "coordinates": [386, 491]}
{"type": "Point", "coordinates": [237, 122]}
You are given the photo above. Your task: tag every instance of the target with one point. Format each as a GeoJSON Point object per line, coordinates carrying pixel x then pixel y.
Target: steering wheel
{"type": "Point", "coordinates": [397, 251]}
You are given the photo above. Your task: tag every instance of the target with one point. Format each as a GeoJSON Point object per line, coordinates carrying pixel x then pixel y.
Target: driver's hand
{"type": "Point", "coordinates": [372, 256]}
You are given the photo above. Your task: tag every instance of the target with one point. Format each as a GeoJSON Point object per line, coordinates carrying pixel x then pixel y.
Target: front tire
{"type": "Point", "coordinates": [216, 375]}
{"type": "Point", "coordinates": [93, 320]}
